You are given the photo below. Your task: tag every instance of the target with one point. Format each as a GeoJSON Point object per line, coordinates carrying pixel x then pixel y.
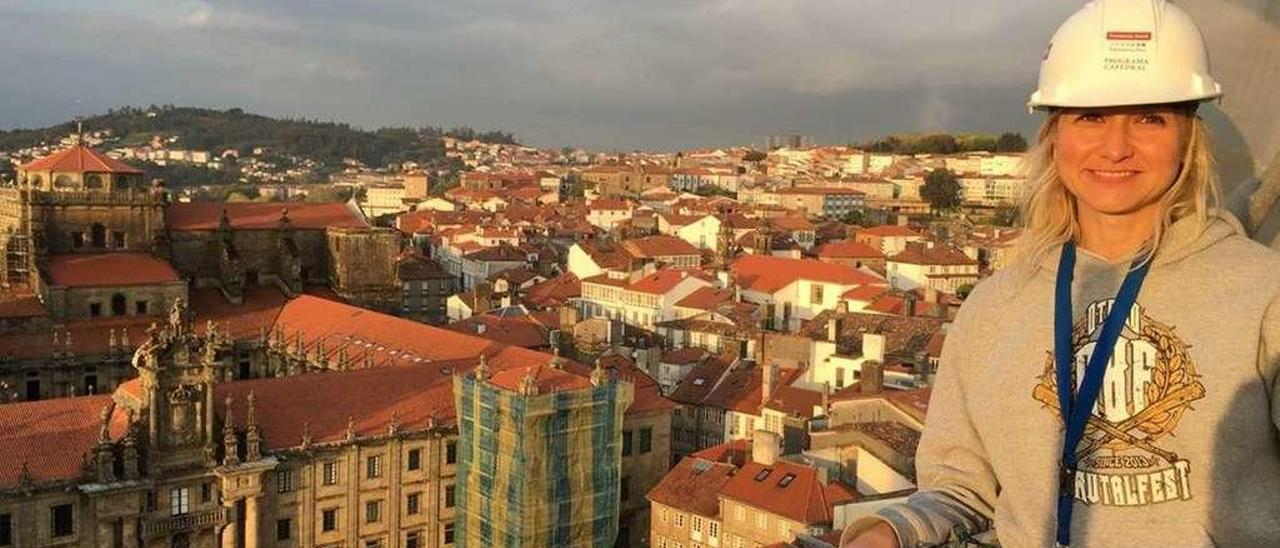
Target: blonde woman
{"type": "Point", "coordinates": [1117, 386]}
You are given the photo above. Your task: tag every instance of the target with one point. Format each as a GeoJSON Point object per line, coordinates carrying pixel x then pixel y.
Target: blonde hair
{"type": "Point", "coordinates": [1047, 215]}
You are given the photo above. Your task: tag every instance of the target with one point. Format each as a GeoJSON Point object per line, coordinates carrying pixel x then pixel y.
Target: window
{"type": "Point", "coordinates": [815, 294]}
{"type": "Point", "coordinates": [679, 521]}
{"type": "Point", "coordinates": [762, 521]}
{"type": "Point", "coordinates": [713, 529]}
{"type": "Point", "coordinates": [330, 473]}
{"type": "Point", "coordinates": [61, 521]}
{"type": "Point", "coordinates": [415, 459]}
{"type": "Point", "coordinates": [6, 530]}
{"type": "Point", "coordinates": [626, 443]}
{"type": "Point", "coordinates": [448, 496]}
{"type": "Point", "coordinates": [117, 239]}
{"type": "Point", "coordinates": [140, 308]}
{"type": "Point", "coordinates": [782, 528]}
{"type": "Point", "coordinates": [284, 529]}
{"type": "Point", "coordinates": [696, 524]}
{"type": "Point", "coordinates": [77, 239]}
{"type": "Point", "coordinates": [373, 543]}
{"type": "Point", "coordinates": [179, 504]}
{"type": "Point", "coordinates": [739, 512]}
{"type": "Point", "coordinates": [411, 504]}
{"type": "Point", "coordinates": [284, 481]}
{"type": "Point", "coordinates": [206, 492]}
{"type": "Point", "coordinates": [150, 503]}
{"type": "Point", "coordinates": [646, 440]}
{"type": "Point", "coordinates": [413, 540]}
{"type": "Point", "coordinates": [329, 520]}
{"type": "Point", "coordinates": [373, 511]}
{"type": "Point", "coordinates": [373, 466]}
{"type": "Point", "coordinates": [448, 533]}
{"type": "Point", "coordinates": [786, 479]}
{"type": "Point", "coordinates": [95, 310]}
{"type": "Point", "coordinates": [451, 453]}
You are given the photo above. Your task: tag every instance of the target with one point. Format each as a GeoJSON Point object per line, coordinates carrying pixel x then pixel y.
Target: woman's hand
{"type": "Point", "coordinates": [880, 535]}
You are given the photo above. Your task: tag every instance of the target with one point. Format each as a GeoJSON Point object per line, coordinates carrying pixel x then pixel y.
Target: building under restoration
{"type": "Point", "coordinates": [539, 456]}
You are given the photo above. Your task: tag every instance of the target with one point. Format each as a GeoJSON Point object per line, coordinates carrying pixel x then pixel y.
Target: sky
{"type": "Point", "coordinates": [600, 74]}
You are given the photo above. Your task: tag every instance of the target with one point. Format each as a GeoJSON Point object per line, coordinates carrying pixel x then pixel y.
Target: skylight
{"type": "Point", "coordinates": [761, 475]}
{"type": "Point", "coordinates": [786, 480]}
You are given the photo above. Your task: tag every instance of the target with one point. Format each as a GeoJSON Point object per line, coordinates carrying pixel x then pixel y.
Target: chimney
{"type": "Point", "coordinates": [768, 383]}
{"type": "Point", "coordinates": [930, 295]}
{"type": "Point", "coordinates": [742, 349]}
{"type": "Point", "coordinates": [872, 379]}
{"type": "Point", "coordinates": [826, 398]}
{"type": "Point", "coordinates": [842, 307]}
{"type": "Point", "coordinates": [873, 346]}
{"type": "Point", "coordinates": [764, 447]}
{"type": "Point", "coordinates": [834, 326]}
{"type": "Point", "coordinates": [910, 301]}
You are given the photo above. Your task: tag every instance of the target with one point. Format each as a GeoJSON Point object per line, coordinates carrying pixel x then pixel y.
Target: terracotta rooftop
{"type": "Point", "coordinates": [20, 304]}
{"type": "Point", "coordinates": [735, 452]}
{"type": "Point", "coordinates": [412, 265]}
{"type": "Point", "coordinates": [525, 331]}
{"type": "Point", "coordinates": [51, 438]}
{"type": "Point", "coordinates": [902, 335]}
{"type": "Point", "coordinates": [741, 390]}
{"type": "Point", "coordinates": [109, 270]}
{"type": "Point", "coordinates": [661, 282]}
{"type": "Point", "coordinates": [648, 395]}
{"type": "Point", "coordinates": [261, 216]}
{"type": "Point", "coordinates": [547, 378]}
{"type": "Point", "coordinates": [658, 246]}
{"type": "Point", "coordinates": [693, 485]}
{"type": "Point", "coordinates": [793, 491]}
{"type": "Point", "coordinates": [889, 231]}
{"type": "Point", "coordinates": [553, 292]}
{"type": "Point", "coordinates": [848, 250]}
{"type": "Point", "coordinates": [795, 401]}
{"type": "Point", "coordinates": [80, 159]}
{"type": "Point", "coordinates": [320, 403]}
{"type": "Point", "coordinates": [706, 298]}
{"type": "Point", "coordinates": [768, 274]}
{"type": "Point", "coordinates": [932, 254]}
{"type": "Point", "coordinates": [699, 382]}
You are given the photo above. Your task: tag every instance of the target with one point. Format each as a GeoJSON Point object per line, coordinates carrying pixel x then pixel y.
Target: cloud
{"type": "Point", "coordinates": [662, 73]}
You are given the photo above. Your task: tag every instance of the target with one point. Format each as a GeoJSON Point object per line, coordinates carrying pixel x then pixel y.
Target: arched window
{"type": "Point", "coordinates": [63, 181]}
{"type": "Point", "coordinates": [99, 235]}
{"type": "Point", "coordinates": [36, 181]}
{"type": "Point", "coordinates": [118, 305]}
{"type": "Point", "coordinates": [93, 182]}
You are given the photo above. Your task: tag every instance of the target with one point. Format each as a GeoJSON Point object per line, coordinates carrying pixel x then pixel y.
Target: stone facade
{"type": "Point", "coordinates": [363, 270]}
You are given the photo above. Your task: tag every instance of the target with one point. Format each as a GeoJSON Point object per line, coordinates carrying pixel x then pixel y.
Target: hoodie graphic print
{"type": "Point", "coordinates": [1149, 383]}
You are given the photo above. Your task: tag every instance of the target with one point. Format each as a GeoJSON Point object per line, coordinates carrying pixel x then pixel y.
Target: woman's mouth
{"type": "Point", "coordinates": [1113, 175]}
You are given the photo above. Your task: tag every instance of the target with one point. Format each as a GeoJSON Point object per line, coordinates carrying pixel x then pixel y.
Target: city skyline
{"type": "Point", "coordinates": [583, 74]}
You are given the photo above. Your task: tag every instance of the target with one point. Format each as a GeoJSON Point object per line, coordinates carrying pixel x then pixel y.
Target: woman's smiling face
{"type": "Point", "coordinates": [1119, 161]}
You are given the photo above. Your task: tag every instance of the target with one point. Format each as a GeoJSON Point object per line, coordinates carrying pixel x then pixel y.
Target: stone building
{"type": "Point", "coordinates": [364, 268]}
{"type": "Point", "coordinates": [360, 452]}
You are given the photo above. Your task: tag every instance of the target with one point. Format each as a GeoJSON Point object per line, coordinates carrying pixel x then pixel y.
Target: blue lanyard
{"type": "Point", "coordinates": [1076, 410]}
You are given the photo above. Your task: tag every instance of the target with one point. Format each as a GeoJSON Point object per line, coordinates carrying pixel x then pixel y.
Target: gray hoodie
{"type": "Point", "coordinates": [1182, 449]}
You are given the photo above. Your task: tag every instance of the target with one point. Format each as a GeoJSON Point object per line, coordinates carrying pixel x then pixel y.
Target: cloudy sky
{"type": "Point", "coordinates": [604, 74]}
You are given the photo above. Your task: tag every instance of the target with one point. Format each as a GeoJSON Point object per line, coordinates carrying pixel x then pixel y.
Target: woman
{"type": "Point", "coordinates": [1135, 306]}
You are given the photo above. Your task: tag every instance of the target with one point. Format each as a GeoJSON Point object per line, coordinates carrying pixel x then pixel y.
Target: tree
{"type": "Point", "coordinates": [963, 291]}
{"type": "Point", "coordinates": [1005, 215]}
{"type": "Point", "coordinates": [754, 156]}
{"type": "Point", "coordinates": [857, 217]}
{"type": "Point", "coordinates": [1011, 142]}
{"type": "Point", "coordinates": [941, 190]}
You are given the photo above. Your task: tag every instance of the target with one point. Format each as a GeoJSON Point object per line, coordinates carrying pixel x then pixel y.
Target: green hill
{"type": "Point", "coordinates": [327, 143]}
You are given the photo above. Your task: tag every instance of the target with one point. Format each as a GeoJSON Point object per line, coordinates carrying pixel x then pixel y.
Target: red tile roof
{"type": "Point", "coordinates": [804, 498]}
{"type": "Point", "coordinates": [80, 159]}
{"type": "Point", "coordinates": [735, 452]}
{"type": "Point", "coordinates": [21, 305]}
{"type": "Point", "coordinates": [525, 331]}
{"type": "Point", "coordinates": [320, 403]}
{"type": "Point", "coordinates": [648, 395]}
{"type": "Point", "coordinates": [608, 204]}
{"type": "Point", "coordinates": [658, 246]}
{"type": "Point", "coordinates": [932, 254]}
{"type": "Point", "coordinates": [660, 282]}
{"type": "Point", "coordinates": [706, 298]}
{"type": "Point", "coordinates": [693, 485]}
{"type": "Point", "coordinates": [261, 216]}
{"type": "Point", "coordinates": [553, 292]}
{"type": "Point", "coordinates": [848, 250]}
{"type": "Point", "coordinates": [794, 401]}
{"type": "Point", "coordinates": [548, 379]}
{"type": "Point", "coordinates": [889, 231]}
{"type": "Point", "coordinates": [52, 437]}
{"type": "Point", "coordinates": [768, 274]}
{"type": "Point", "coordinates": [109, 269]}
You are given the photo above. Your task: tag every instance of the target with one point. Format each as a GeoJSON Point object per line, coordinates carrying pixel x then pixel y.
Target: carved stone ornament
{"type": "Point", "coordinates": [183, 429]}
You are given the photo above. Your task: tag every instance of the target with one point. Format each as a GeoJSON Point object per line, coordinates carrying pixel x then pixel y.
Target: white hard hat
{"type": "Point", "coordinates": [1125, 52]}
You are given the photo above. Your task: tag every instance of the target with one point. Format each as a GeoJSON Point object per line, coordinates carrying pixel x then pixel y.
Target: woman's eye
{"type": "Point", "coordinates": [1152, 119]}
{"type": "Point", "coordinates": [1089, 117]}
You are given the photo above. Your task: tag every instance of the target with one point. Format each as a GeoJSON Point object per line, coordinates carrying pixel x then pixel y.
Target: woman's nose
{"type": "Point", "coordinates": [1115, 140]}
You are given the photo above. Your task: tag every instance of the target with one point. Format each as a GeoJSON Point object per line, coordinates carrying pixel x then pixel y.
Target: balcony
{"type": "Point", "coordinates": [184, 523]}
